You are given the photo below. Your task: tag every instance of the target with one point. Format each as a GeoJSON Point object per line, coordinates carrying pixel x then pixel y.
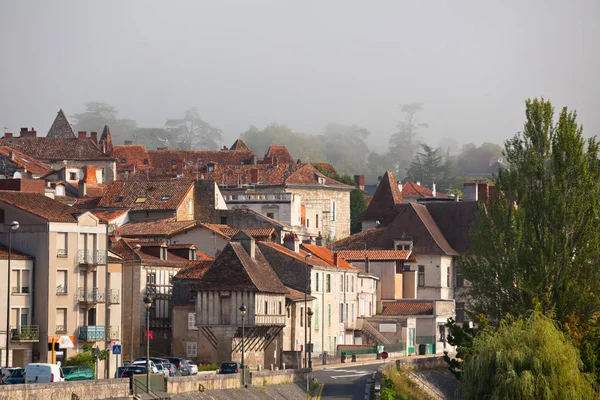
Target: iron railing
{"type": "Point", "coordinates": [22, 289]}
{"type": "Point", "coordinates": [61, 253]}
{"type": "Point", "coordinates": [61, 290]}
{"type": "Point", "coordinates": [61, 328]}
{"type": "Point", "coordinates": [113, 332]}
{"type": "Point", "coordinates": [91, 333]}
{"type": "Point", "coordinates": [93, 295]}
{"type": "Point", "coordinates": [91, 257]}
{"type": "Point", "coordinates": [25, 333]}
{"type": "Point", "coordinates": [113, 296]}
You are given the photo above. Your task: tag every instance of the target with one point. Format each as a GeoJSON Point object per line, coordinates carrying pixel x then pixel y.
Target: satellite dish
{"type": "Point", "coordinates": [80, 175]}
{"type": "Point", "coordinates": [17, 175]}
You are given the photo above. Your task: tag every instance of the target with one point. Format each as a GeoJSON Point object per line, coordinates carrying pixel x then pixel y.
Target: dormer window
{"type": "Point", "coordinates": [120, 199]}
{"type": "Point", "coordinates": [163, 253]}
{"type": "Point", "coordinates": [140, 200]}
{"type": "Point", "coordinates": [145, 161]}
{"type": "Point", "coordinates": [173, 162]}
{"type": "Point", "coordinates": [403, 245]}
{"type": "Point", "coordinates": [200, 162]}
{"type": "Point", "coordinates": [192, 254]}
{"type": "Point", "coordinates": [210, 167]}
{"type": "Point", "coordinates": [72, 176]}
{"type": "Point", "coordinates": [321, 181]}
{"type": "Point", "coordinates": [165, 198]}
{"type": "Point", "coordinates": [60, 191]}
{"type": "Point", "coordinates": [123, 160]}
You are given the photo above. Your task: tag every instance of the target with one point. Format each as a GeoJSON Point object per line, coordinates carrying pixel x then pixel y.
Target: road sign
{"type": "Point", "coordinates": [116, 349]}
{"type": "Point", "coordinates": [384, 355]}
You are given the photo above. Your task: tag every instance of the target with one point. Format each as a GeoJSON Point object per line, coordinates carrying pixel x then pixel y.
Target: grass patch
{"type": "Point", "coordinates": [208, 367]}
{"type": "Point", "coordinates": [395, 385]}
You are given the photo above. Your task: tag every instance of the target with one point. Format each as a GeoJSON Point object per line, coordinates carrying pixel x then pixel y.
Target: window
{"type": "Point", "coordinates": [266, 308]}
{"type": "Point", "coordinates": [61, 320]}
{"type": "Point", "coordinates": [163, 253]}
{"type": "Point", "coordinates": [351, 312]}
{"type": "Point", "coordinates": [460, 280]}
{"type": "Point", "coordinates": [441, 333]}
{"type": "Point", "coordinates": [448, 276]}
{"type": "Point", "coordinates": [329, 314]}
{"type": "Point", "coordinates": [61, 282]}
{"type": "Point", "coordinates": [223, 220]}
{"type": "Point", "coordinates": [20, 280]}
{"type": "Point", "coordinates": [288, 311]}
{"type": "Point", "coordinates": [61, 244]}
{"type": "Point", "coordinates": [317, 282]}
{"type": "Point", "coordinates": [170, 278]}
{"type": "Point", "coordinates": [192, 296]}
{"type": "Point", "coordinates": [333, 210]}
{"type": "Point", "coordinates": [341, 312]}
{"type": "Point", "coordinates": [280, 309]}
{"type": "Point", "coordinates": [460, 311]}
{"type": "Point", "coordinates": [301, 316]}
{"type": "Point", "coordinates": [347, 313]}
{"type": "Point", "coordinates": [307, 223]}
{"type": "Point", "coordinates": [123, 160]}
{"type": "Point", "coordinates": [210, 167]}
{"type": "Point", "coordinates": [151, 278]}
{"type": "Point", "coordinates": [328, 284]}
{"type": "Point", "coordinates": [191, 207]}
{"type": "Point", "coordinates": [120, 199]}
{"type": "Point", "coordinates": [192, 254]}
{"type": "Point", "coordinates": [341, 284]}
{"type": "Point", "coordinates": [192, 322]}
{"type": "Point", "coordinates": [140, 200]}
{"type": "Point", "coordinates": [145, 161]}
{"type": "Point", "coordinates": [173, 162]}
{"type": "Point", "coordinates": [399, 266]}
{"type": "Point", "coordinates": [316, 316]}
{"type": "Point", "coordinates": [60, 190]}
{"type": "Point", "coordinates": [421, 275]}
{"type": "Point", "coordinates": [191, 349]}
{"type": "Point", "coordinates": [271, 215]}
{"type": "Point", "coordinates": [72, 176]}
{"type": "Point", "coordinates": [316, 220]}
{"type": "Point", "coordinates": [352, 283]}
{"type": "Point", "coordinates": [165, 198]}
{"type": "Point", "coordinates": [321, 181]}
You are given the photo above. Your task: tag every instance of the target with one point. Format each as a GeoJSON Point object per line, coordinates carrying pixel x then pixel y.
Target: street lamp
{"type": "Point", "coordinates": [306, 257]}
{"type": "Point", "coordinates": [243, 312]}
{"type": "Point", "coordinates": [13, 227]}
{"type": "Point", "coordinates": [310, 314]}
{"type": "Point", "coordinates": [148, 304]}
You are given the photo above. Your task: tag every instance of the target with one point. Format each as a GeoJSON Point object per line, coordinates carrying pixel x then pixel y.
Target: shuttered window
{"type": "Point", "coordinates": [192, 322]}
{"type": "Point", "coordinates": [191, 349]}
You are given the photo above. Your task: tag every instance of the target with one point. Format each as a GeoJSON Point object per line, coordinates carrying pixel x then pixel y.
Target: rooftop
{"type": "Point", "coordinates": [407, 308]}
{"type": "Point", "coordinates": [161, 227]}
{"type": "Point", "coordinates": [21, 160]}
{"type": "Point", "coordinates": [56, 148]}
{"type": "Point", "coordinates": [382, 206]}
{"type": "Point", "coordinates": [40, 205]}
{"type": "Point", "coordinates": [375, 254]}
{"type": "Point", "coordinates": [146, 195]}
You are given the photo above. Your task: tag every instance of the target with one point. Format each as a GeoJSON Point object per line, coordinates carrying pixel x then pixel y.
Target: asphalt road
{"type": "Point", "coordinates": [345, 382]}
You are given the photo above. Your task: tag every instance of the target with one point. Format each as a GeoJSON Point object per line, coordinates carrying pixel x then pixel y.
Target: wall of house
{"type": "Point", "coordinates": [131, 310]}
{"type": "Point", "coordinates": [204, 239]}
{"type": "Point", "coordinates": [187, 338]}
{"type": "Point", "coordinates": [185, 211]}
{"type": "Point", "coordinates": [391, 284]}
{"type": "Point", "coordinates": [107, 167]}
{"type": "Point", "coordinates": [143, 215]}
{"type": "Point", "coordinates": [436, 269]}
{"type": "Point", "coordinates": [285, 207]}
{"type": "Point", "coordinates": [367, 296]}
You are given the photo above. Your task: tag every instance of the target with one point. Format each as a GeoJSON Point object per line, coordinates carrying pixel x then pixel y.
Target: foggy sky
{"type": "Point", "coordinates": [302, 63]}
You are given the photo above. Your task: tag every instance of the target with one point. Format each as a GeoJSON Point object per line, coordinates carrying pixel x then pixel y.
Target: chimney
{"type": "Point", "coordinates": [82, 188]}
{"type": "Point", "coordinates": [246, 241]}
{"type": "Point", "coordinates": [24, 129]}
{"type": "Point", "coordinates": [335, 259]}
{"type": "Point", "coordinates": [254, 175]}
{"type": "Point", "coordinates": [291, 241]}
{"type": "Point", "coordinates": [470, 191]}
{"type": "Point", "coordinates": [483, 189]}
{"type": "Point", "coordinates": [319, 240]}
{"type": "Point", "coordinates": [433, 191]}
{"type": "Point", "coordinates": [94, 137]}
{"type": "Point", "coordinates": [367, 265]}
{"type": "Point", "coordinates": [360, 181]}
{"type": "Point", "coordinates": [90, 174]}
{"type": "Point", "coordinates": [274, 161]}
{"type": "Point", "coordinates": [161, 148]}
{"type": "Point", "coordinates": [81, 134]}
{"type": "Point", "coordinates": [8, 135]}
{"type": "Point", "coordinates": [400, 186]}
{"type": "Point", "coordinates": [28, 134]}
{"type": "Point", "coordinates": [128, 143]}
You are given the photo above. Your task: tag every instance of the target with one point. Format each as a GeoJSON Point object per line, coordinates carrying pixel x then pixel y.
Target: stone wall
{"type": "Point", "coordinates": [429, 362]}
{"type": "Point", "coordinates": [264, 378]}
{"type": "Point", "coordinates": [92, 390]}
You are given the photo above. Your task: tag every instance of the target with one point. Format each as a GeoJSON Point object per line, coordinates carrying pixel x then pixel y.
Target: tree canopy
{"type": "Point", "coordinates": [193, 133]}
{"type": "Point", "coordinates": [97, 114]}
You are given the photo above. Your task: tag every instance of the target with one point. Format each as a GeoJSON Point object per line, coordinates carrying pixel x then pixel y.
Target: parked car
{"type": "Point", "coordinates": [14, 376]}
{"type": "Point", "coordinates": [43, 373]}
{"type": "Point", "coordinates": [193, 367]}
{"type": "Point", "coordinates": [129, 371]}
{"type": "Point", "coordinates": [182, 365]}
{"type": "Point", "coordinates": [5, 373]}
{"type": "Point", "coordinates": [229, 367]}
{"type": "Point", "coordinates": [162, 369]}
{"type": "Point", "coordinates": [153, 368]}
{"type": "Point", "coordinates": [78, 373]}
{"type": "Point", "coordinates": [172, 370]}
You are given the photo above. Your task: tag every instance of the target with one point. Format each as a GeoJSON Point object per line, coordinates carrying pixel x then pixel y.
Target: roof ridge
{"type": "Point", "coordinates": [414, 206]}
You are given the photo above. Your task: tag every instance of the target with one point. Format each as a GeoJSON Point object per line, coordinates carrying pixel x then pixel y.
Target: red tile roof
{"type": "Point", "coordinates": [147, 253]}
{"type": "Point", "coordinates": [21, 160]}
{"type": "Point", "coordinates": [156, 227]}
{"type": "Point", "coordinates": [132, 157]}
{"type": "Point", "coordinates": [327, 255]}
{"type": "Point", "coordinates": [296, 295]}
{"type": "Point", "coordinates": [284, 251]}
{"type": "Point", "coordinates": [159, 195]}
{"type": "Point", "coordinates": [228, 232]}
{"type": "Point", "coordinates": [194, 269]}
{"type": "Point", "coordinates": [281, 153]}
{"type": "Point", "coordinates": [375, 254]}
{"type": "Point", "coordinates": [40, 205]}
{"type": "Point", "coordinates": [109, 215]}
{"type": "Point", "coordinates": [239, 145]}
{"type": "Point", "coordinates": [327, 167]}
{"type": "Point", "coordinates": [407, 308]}
{"type": "Point", "coordinates": [411, 190]}
{"type": "Point", "coordinates": [56, 149]}
{"type": "Point", "coordinates": [382, 206]}
{"type": "Point", "coordinates": [14, 254]}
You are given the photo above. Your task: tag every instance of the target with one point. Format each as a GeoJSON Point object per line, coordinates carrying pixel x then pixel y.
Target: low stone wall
{"type": "Point", "coordinates": [264, 378]}
{"type": "Point", "coordinates": [93, 390]}
{"type": "Point", "coordinates": [196, 383]}
{"type": "Point", "coordinates": [423, 362]}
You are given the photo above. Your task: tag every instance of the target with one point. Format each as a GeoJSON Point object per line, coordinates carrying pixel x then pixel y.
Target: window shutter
{"type": "Point", "coordinates": [192, 322]}
{"type": "Point", "coordinates": [316, 316]}
{"type": "Point", "coordinates": [191, 349]}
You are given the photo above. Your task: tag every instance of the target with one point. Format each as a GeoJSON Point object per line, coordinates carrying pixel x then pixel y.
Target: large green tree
{"type": "Point", "coordinates": [525, 358]}
{"type": "Point", "coordinates": [430, 166]}
{"type": "Point", "coordinates": [193, 133]}
{"type": "Point", "coordinates": [405, 141]}
{"type": "Point", "coordinates": [538, 241]}
{"type": "Point", "coordinates": [97, 114]}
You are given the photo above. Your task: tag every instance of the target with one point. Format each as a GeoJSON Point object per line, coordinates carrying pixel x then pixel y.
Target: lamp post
{"type": "Point", "coordinates": [13, 227]}
{"type": "Point", "coordinates": [243, 312]}
{"type": "Point", "coordinates": [148, 304]}
{"type": "Point", "coordinates": [310, 314]}
{"type": "Point", "coordinates": [306, 257]}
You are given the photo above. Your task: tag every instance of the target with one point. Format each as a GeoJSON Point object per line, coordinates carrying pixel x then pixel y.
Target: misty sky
{"type": "Point", "coordinates": [302, 63]}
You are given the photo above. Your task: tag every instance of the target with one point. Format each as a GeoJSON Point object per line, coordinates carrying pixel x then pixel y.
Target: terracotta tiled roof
{"type": "Point", "coordinates": [407, 308]}
{"type": "Point", "coordinates": [411, 190]}
{"type": "Point", "coordinates": [370, 237]}
{"type": "Point", "coordinates": [239, 145]}
{"type": "Point", "coordinates": [382, 206]}
{"type": "Point", "coordinates": [21, 160]}
{"type": "Point", "coordinates": [87, 203]}
{"type": "Point", "coordinates": [282, 154]}
{"type": "Point", "coordinates": [56, 149]}
{"type": "Point", "coordinates": [61, 128]}
{"type": "Point", "coordinates": [40, 205]}
{"type": "Point", "coordinates": [245, 211]}
{"type": "Point", "coordinates": [14, 254]}
{"type": "Point", "coordinates": [327, 255]}
{"type": "Point", "coordinates": [287, 253]}
{"type": "Point", "coordinates": [234, 269]}
{"type": "Point", "coordinates": [105, 143]}
{"type": "Point", "coordinates": [375, 254]}
{"type": "Point", "coordinates": [162, 227]}
{"type": "Point", "coordinates": [228, 232]}
{"type": "Point", "coordinates": [109, 215]}
{"type": "Point", "coordinates": [148, 252]}
{"type": "Point", "coordinates": [296, 295]}
{"type": "Point", "coordinates": [194, 269]}
{"type": "Point", "coordinates": [308, 175]}
{"type": "Point", "coordinates": [158, 195]}
{"type": "Point", "coordinates": [327, 167]}
{"type": "Point", "coordinates": [455, 220]}
{"type": "Point", "coordinates": [132, 157]}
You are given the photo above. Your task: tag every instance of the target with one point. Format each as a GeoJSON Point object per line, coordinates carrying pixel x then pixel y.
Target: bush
{"type": "Point", "coordinates": [208, 367]}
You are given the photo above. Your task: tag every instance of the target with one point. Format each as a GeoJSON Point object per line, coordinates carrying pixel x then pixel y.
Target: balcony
{"type": "Point", "coordinates": [20, 290]}
{"type": "Point", "coordinates": [61, 290]}
{"type": "Point", "coordinates": [91, 333]}
{"type": "Point", "coordinates": [90, 296]}
{"type": "Point", "coordinates": [61, 329]}
{"type": "Point", "coordinates": [113, 332]}
{"type": "Point", "coordinates": [25, 333]}
{"type": "Point", "coordinates": [113, 296]}
{"type": "Point", "coordinates": [91, 258]}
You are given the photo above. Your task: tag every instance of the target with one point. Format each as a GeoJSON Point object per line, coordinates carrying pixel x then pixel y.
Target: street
{"type": "Point", "coordinates": [345, 382]}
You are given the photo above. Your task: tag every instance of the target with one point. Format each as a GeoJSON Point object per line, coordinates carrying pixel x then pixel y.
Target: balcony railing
{"type": "Point", "coordinates": [93, 295]}
{"type": "Point", "coordinates": [61, 290]}
{"type": "Point", "coordinates": [25, 333]}
{"type": "Point", "coordinates": [61, 253]}
{"type": "Point", "coordinates": [113, 296]}
{"type": "Point", "coordinates": [91, 333]}
{"type": "Point", "coordinates": [113, 332]}
{"type": "Point", "coordinates": [61, 329]}
{"type": "Point", "coordinates": [22, 289]}
{"type": "Point", "coordinates": [91, 257]}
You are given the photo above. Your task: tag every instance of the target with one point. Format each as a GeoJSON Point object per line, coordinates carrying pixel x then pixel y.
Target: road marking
{"type": "Point", "coordinates": [348, 370]}
{"type": "Point", "coordinates": [349, 376]}
{"type": "Point", "coordinates": [320, 391]}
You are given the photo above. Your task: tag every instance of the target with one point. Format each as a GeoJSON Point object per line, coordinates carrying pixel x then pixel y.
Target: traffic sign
{"type": "Point", "coordinates": [384, 355]}
{"type": "Point", "coordinates": [116, 349]}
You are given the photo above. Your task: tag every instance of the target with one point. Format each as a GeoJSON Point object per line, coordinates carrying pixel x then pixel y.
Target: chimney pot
{"type": "Point", "coordinates": [8, 135]}
{"type": "Point", "coordinates": [130, 142]}
{"type": "Point", "coordinates": [254, 175]}
{"type": "Point", "coordinates": [24, 129]}
{"type": "Point", "coordinates": [82, 188]}
{"type": "Point", "coordinates": [94, 137]}
{"type": "Point", "coordinates": [81, 134]}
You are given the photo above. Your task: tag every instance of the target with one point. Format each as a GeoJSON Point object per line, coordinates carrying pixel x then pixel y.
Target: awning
{"type": "Point", "coordinates": [64, 342]}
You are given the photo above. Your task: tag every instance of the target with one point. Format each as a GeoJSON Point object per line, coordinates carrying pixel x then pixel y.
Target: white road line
{"type": "Point", "coordinates": [349, 376]}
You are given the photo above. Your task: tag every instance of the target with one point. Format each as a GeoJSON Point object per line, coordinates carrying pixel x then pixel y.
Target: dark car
{"type": "Point", "coordinates": [229, 367]}
{"type": "Point", "coordinates": [129, 371]}
{"type": "Point", "coordinates": [181, 364]}
{"type": "Point", "coordinates": [172, 370]}
{"type": "Point", "coordinates": [78, 373]}
{"type": "Point", "coordinates": [16, 376]}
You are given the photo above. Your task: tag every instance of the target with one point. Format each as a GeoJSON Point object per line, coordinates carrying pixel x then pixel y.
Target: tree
{"type": "Point", "coordinates": [344, 146]}
{"type": "Point", "coordinates": [377, 164]}
{"type": "Point", "coordinates": [461, 338]}
{"type": "Point", "coordinates": [87, 357]}
{"type": "Point", "coordinates": [525, 358]}
{"type": "Point", "coordinates": [538, 241]}
{"type": "Point", "coordinates": [404, 142]}
{"type": "Point", "coordinates": [430, 166]}
{"type": "Point", "coordinates": [192, 132]}
{"type": "Point", "coordinates": [476, 160]}
{"type": "Point", "coordinates": [358, 205]}
{"type": "Point", "coordinates": [98, 114]}
{"type": "Point", "coordinates": [152, 138]}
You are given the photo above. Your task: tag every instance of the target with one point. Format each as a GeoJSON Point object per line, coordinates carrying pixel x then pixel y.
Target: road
{"type": "Point", "coordinates": [345, 382]}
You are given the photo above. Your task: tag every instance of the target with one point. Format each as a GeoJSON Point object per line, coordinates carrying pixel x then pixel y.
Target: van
{"type": "Point", "coordinates": [43, 373]}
